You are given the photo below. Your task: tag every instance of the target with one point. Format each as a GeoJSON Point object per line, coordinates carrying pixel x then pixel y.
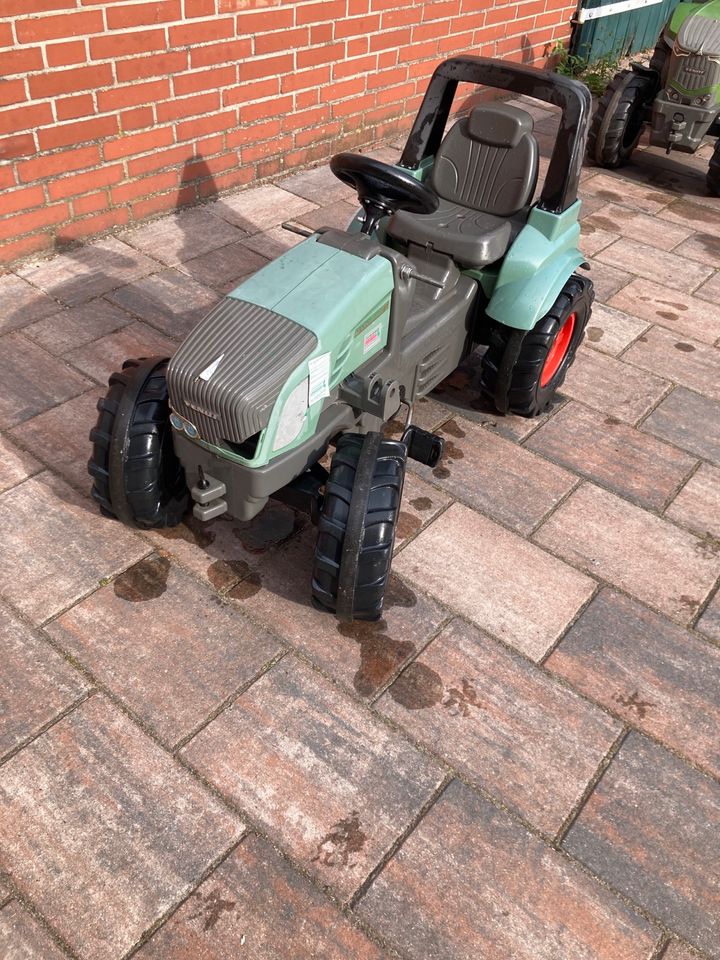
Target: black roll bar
{"type": "Point", "coordinates": [561, 182]}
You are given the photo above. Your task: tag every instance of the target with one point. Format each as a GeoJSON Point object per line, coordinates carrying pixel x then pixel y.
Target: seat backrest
{"type": "Point", "coordinates": [488, 161]}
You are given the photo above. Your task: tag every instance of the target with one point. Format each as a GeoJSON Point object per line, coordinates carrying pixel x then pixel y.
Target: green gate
{"type": "Point", "coordinates": [614, 28]}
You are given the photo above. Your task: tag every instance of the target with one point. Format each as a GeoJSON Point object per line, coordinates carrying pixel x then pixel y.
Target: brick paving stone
{"type": "Point", "coordinates": [689, 421]}
{"type": "Point", "coordinates": [502, 583]}
{"type": "Point", "coordinates": [593, 239]}
{"type": "Point", "coordinates": [693, 364]}
{"type": "Point", "coordinates": [502, 723]}
{"type": "Point", "coordinates": [649, 262]}
{"type": "Point", "coordinates": [611, 331]}
{"type": "Point", "coordinates": [15, 464]}
{"type": "Point", "coordinates": [362, 655]}
{"type": "Point", "coordinates": [32, 380]}
{"type": "Point", "coordinates": [607, 280]}
{"type": "Point", "coordinates": [54, 548]}
{"type": "Point", "coordinates": [334, 785]}
{"type": "Point", "coordinates": [255, 905]}
{"type": "Point", "coordinates": [37, 683]}
{"type": "Point", "coordinates": [704, 247]}
{"type": "Point", "coordinates": [710, 290]}
{"type": "Point", "coordinates": [470, 883]}
{"type": "Point", "coordinates": [182, 236]}
{"type": "Point", "coordinates": [503, 480]}
{"type": "Point", "coordinates": [88, 271]}
{"type": "Point", "coordinates": [697, 506]}
{"type": "Point", "coordinates": [76, 326]}
{"type": "Point", "coordinates": [337, 215]}
{"type": "Point", "coordinates": [651, 672]}
{"type": "Point", "coordinates": [221, 552]}
{"type": "Point", "coordinates": [590, 204]}
{"type": "Point", "coordinates": [104, 831]}
{"type": "Point", "coordinates": [169, 300]}
{"type": "Point", "coordinates": [693, 216]}
{"type": "Point", "coordinates": [670, 308]}
{"type": "Point", "coordinates": [709, 622]}
{"type": "Point", "coordinates": [259, 209]}
{"type": "Point", "coordinates": [611, 386]}
{"type": "Point", "coordinates": [632, 464]}
{"type": "Point", "coordinates": [639, 196]}
{"type": "Point", "coordinates": [678, 951]}
{"type": "Point", "coordinates": [273, 242]}
{"type": "Point", "coordinates": [651, 828]}
{"type": "Point", "coordinates": [106, 355]}
{"type": "Point", "coordinates": [22, 937]}
{"type": "Point", "coordinates": [421, 503]}
{"type": "Point", "coordinates": [224, 269]}
{"type": "Point", "coordinates": [163, 644]}
{"type": "Point", "coordinates": [648, 557]}
{"type": "Point", "coordinates": [633, 225]}
{"type": "Point", "coordinates": [319, 185]}
{"type": "Point", "coordinates": [60, 437]}
{"type": "Point", "coordinates": [21, 303]}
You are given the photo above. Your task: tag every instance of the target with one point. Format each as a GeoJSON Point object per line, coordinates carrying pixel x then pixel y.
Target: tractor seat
{"type": "Point", "coordinates": [485, 174]}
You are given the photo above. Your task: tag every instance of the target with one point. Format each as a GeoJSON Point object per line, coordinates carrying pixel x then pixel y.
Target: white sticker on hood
{"type": "Point", "coordinates": [292, 416]}
{"type": "Point", "coordinates": [319, 386]}
{"type": "Point", "coordinates": [210, 370]}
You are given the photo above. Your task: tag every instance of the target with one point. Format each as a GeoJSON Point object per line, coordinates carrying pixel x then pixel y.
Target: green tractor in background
{"type": "Point", "coordinates": [677, 93]}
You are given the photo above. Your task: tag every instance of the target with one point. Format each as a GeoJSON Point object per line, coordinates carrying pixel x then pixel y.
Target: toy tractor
{"type": "Point", "coordinates": [678, 94]}
{"type": "Point", "coordinates": [330, 341]}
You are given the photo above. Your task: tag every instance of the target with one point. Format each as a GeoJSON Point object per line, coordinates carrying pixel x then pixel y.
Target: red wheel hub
{"type": "Point", "coordinates": [558, 351]}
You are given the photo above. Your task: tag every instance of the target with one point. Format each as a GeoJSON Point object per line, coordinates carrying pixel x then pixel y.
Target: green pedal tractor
{"type": "Point", "coordinates": [677, 94]}
{"type": "Point", "coordinates": [325, 345]}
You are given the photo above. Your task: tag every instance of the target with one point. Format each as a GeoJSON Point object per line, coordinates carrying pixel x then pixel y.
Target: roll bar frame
{"type": "Point", "coordinates": [563, 175]}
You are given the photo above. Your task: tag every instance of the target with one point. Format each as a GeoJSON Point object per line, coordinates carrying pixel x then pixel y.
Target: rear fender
{"type": "Point", "coordinates": [535, 269]}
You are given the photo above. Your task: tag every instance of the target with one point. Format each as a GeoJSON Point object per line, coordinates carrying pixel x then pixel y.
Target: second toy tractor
{"type": "Point", "coordinates": [677, 94]}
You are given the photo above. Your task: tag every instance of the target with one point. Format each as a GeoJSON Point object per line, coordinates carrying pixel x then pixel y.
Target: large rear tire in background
{"type": "Point", "coordinates": [522, 371]}
{"type": "Point", "coordinates": [356, 529]}
{"type": "Point", "coordinates": [617, 124]}
{"type": "Point", "coordinates": [713, 174]}
{"type": "Point", "coordinates": [137, 477]}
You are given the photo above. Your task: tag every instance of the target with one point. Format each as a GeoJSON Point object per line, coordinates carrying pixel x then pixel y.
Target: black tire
{"type": "Point", "coordinates": [376, 507]}
{"type": "Point", "coordinates": [618, 122]}
{"type": "Point", "coordinates": [137, 477]}
{"type": "Point", "coordinates": [513, 365]}
{"type": "Point", "coordinates": [713, 174]}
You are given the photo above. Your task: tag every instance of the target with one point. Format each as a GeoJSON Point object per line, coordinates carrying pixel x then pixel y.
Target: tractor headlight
{"type": "Point", "coordinates": [673, 94]}
{"type": "Point", "coordinates": [184, 426]}
{"type": "Point", "coordinates": [700, 100]}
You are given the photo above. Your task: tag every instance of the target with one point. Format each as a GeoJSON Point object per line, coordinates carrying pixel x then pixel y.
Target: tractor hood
{"type": "Point", "coordinates": [699, 34]}
{"type": "Point", "coordinates": [227, 375]}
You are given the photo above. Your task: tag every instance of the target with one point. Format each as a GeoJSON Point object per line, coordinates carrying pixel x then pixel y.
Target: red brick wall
{"type": "Point", "coordinates": [116, 110]}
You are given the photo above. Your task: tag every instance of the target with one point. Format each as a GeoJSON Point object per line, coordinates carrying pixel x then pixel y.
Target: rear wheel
{"type": "Point", "coordinates": [356, 529]}
{"type": "Point", "coordinates": [137, 477]}
{"type": "Point", "coordinates": [713, 174]}
{"type": "Point", "coordinates": [522, 371]}
{"type": "Point", "coordinates": [619, 119]}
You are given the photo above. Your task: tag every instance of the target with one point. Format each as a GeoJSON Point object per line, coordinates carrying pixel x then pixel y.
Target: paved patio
{"type": "Point", "coordinates": [520, 762]}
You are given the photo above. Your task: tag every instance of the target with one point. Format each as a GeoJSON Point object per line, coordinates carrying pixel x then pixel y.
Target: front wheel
{"type": "Point", "coordinates": [522, 371]}
{"type": "Point", "coordinates": [619, 119]}
{"type": "Point", "coordinates": [356, 529]}
{"type": "Point", "coordinates": [713, 174]}
{"type": "Point", "coordinates": [137, 477]}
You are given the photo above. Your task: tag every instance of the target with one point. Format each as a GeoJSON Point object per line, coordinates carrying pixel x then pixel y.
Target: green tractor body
{"type": "Point", "coordinates": [677, 94]}
{"type": "Point", "coordinates": [347, 330]}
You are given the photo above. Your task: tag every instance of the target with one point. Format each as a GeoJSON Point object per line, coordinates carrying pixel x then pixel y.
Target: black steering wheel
{"type": "Point", "coordinates": [382, 189]}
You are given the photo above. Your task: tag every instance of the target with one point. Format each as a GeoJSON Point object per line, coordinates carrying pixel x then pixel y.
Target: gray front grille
{"type": "Point", "coordinates": [259, 350]}
{"type": "Point", "coordinates": [696, 72]}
